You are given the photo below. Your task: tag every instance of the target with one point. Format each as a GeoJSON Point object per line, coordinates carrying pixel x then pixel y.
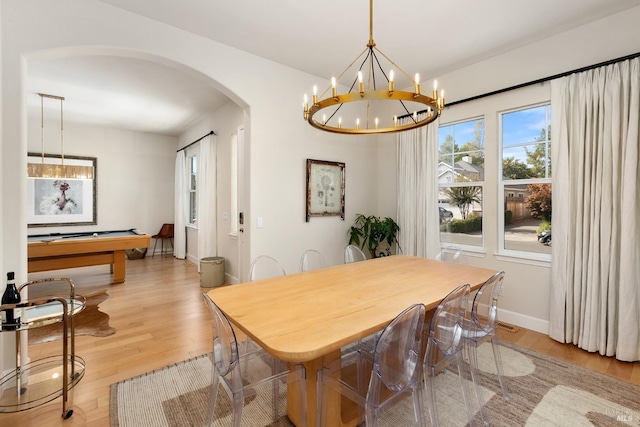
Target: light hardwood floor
{"type": "Point", "coordinates": [160, 318]}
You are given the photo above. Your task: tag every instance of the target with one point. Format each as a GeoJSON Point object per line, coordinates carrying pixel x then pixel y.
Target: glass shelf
{"type": "Point", "coordinates": [36, 316]}
{"type": "Point", "coordinates": [38, 382]}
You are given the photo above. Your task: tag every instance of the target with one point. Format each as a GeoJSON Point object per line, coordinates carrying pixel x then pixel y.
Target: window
{"type": "Point", "coordinates": [193, 195]}
{"type": "Point", "coordinates": [460, 182]}
{"type": "Point", "coordinates": [526, 178]}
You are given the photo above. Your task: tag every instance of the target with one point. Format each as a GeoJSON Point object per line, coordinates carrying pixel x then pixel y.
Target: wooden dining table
{"type": "Point", "coordinates": [308, 317]}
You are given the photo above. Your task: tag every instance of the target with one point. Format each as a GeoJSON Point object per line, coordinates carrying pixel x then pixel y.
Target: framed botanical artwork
{"type": "Point", "coordinates": [325, 188]}
{"type": "Point", "coordinates": [56, 202]}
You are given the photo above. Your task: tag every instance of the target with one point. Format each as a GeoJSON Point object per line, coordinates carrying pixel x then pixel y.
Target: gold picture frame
{"type": "Point", "coordinates": [325, 188]}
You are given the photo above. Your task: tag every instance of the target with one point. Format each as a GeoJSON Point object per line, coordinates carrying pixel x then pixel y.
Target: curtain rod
{"type": "Point", "coordinates": [197, 140]}
{"type": "Point", "coordinates": [533, 82]}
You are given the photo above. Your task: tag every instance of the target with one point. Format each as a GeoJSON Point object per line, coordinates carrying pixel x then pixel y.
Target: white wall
{"type": "Point", "coordinates": [278, 140]}
{"type": "Point", "coordinates": [224, 121]}
{"type": "Point", "coordinates": [527, 284]}
{"type": "Point", "coordinates": [134, 173]}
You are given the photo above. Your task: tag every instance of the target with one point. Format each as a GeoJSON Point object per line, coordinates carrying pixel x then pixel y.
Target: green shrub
{"type": "Point", "coordinates": [508, 217]}
{"type": "Point", "coordinates": [544, 225]}
{"type": "Point", "coordinates": [472, 223]}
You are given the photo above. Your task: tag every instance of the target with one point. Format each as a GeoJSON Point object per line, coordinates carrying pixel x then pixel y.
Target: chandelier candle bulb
{"type": "Point", "coordinates": [375, 94]}
{"type": "Point", "coordinates": [305, 105]}
{"type": "Point", "coordinates": [440, 101]}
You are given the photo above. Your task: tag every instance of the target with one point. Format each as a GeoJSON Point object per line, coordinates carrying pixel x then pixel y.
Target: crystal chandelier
{"type": "Point", "coordinates": [50, 170]}
{"type": "Point", "coordinates": [369, 86]}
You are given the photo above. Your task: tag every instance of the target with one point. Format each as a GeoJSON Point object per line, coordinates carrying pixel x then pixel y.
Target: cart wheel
{"type": "Point", "coordinates": [66, 415]}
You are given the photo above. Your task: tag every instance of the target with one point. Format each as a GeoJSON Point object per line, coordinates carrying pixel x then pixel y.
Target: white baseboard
{"type": "Point", "coordinates": [231, 279]}
{"type": "Point", "coordinates": [524, 321]}
{"type": "Point", "coordinates": [194, 260]}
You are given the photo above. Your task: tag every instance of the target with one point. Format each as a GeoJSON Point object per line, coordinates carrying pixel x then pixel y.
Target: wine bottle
{"type": "Point", "coordinates": [10, 296]}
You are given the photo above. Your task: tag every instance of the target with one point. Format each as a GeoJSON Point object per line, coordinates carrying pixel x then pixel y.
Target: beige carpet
{"type": "Point", "coordinates": [544, 391]}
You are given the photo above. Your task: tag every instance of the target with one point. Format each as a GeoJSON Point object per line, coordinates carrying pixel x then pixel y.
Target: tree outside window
{"type": "Point", "coordinates": [526, 178]}
{"type": "Point", "coordinates": [460, 182]}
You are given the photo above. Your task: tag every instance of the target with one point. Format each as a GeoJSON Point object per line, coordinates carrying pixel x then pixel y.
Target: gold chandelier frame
{"type": "Point", "coordinates": [62, 170]}
{"type": "Point", "coordinates": [433, 104]}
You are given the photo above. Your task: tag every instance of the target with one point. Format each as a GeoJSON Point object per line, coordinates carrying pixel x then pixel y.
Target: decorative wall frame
{"type": "Point", "coordinates": [53, 202]}
{"type": "Point", "coordinates": [325, 188]}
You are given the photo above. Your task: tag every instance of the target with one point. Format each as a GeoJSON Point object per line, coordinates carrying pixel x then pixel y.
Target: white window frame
{"type": "Point", "coordinates": [534, 257]}
{"type": "Point", "coordinates": [466, 247]}
{"type": "Point", "coordinates": [193, 187]}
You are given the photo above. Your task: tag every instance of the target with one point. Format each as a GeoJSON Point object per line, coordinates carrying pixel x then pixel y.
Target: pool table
{"type": "Point", "coordinates": [68, 250]}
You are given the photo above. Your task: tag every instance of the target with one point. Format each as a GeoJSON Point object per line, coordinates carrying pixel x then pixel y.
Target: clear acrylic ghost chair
{"type": "Point", "coordinates": [480, 327]}
{"type": "Point", "coordinates": [263, 378]}
{"type": "Point", "coordinates": [312, 260]}
{"type": "Point", "coordinates": [395, 371]}
{"type": "Point", "coordinates": [264, 267]}
{"type": "Point", "coordinates": [451, 254]}
{"type": "Point", "coordinates": [353, 253]}
{"type": "Point", "coordinates": [445, 346]}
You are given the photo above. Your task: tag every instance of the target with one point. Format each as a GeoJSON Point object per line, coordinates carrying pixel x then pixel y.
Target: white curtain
{"type": "Point", "coordinates": [180, 206]}
{"type": "Point", "coordinates": [417, 200]}
{"type": "Point", "coordinates": [207, 195]}
{"type": "Point", "coordinates": [595, 295]}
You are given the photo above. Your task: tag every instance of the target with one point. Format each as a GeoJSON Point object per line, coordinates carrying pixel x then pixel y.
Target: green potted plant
{"type": "Point", "coordinates": [376, 234]}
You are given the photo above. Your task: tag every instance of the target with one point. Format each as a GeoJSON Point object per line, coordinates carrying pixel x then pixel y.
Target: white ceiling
{"type": "Point", "coordinates": [320, 37]}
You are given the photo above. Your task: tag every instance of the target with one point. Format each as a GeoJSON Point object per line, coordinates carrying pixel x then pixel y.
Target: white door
{"type": "Point", "coordinates": [241, 214]}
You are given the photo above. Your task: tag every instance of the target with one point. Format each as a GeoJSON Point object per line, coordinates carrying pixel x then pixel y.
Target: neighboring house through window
{"type": "Point", "coordinates": [460, 182]}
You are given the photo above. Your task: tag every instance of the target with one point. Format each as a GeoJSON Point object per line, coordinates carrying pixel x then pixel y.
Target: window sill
{"type": "Point", "coordinates": [472, 251]}
{"type": "Point", "coordinates": [539, 260]}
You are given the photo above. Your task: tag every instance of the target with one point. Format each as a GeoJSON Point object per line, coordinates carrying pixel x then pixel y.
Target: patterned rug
{"type": "Point", "coordinates": [90, 321]}
{"type": "Point", "coordinates": [544, 392]}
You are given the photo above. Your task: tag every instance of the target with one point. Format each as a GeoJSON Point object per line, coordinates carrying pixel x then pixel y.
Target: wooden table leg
{"type": "Point", "coordinates": [335, 404]}
{"type": "Point", "coordinates": [119, 268]}
{"type": "Point", "coordinates": [293, 396]}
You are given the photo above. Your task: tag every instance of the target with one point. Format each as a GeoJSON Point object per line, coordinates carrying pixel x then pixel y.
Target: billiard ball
{"type": "Point", "coordinates": [95, 234]}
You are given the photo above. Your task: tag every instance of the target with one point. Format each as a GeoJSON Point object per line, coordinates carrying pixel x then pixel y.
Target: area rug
{"type": "Point", "coordinates": [544, 392]}
{"type": "Point", "coordinates": [90, 321]}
